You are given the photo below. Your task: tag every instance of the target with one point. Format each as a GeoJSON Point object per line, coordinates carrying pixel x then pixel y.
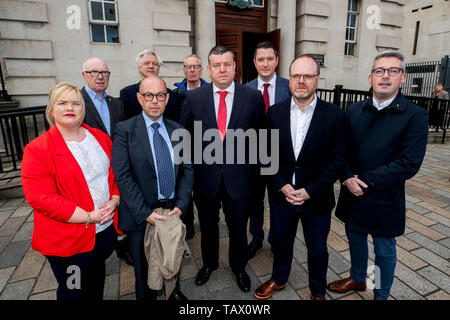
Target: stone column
{"type": "Point", "coordinates": [286, 23]}
{"type": "Point", "coordinates": [205, 31]}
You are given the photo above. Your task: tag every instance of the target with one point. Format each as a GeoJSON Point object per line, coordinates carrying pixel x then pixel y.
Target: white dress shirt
{"type": "Point", "coordinates": [382, 105]}
{"type": "Point", "coordinates": [300, 121]}
{"type": "Point", "coordinates": [228, 100]}
{"type": "Point", "coordinates": [94, 164]}
{"type": "Point", "coordinates": [270, 89]}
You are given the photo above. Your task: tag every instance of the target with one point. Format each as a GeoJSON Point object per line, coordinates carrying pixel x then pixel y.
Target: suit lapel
{"type": "Point", "coordinates": [238, 105]}
{"type": "Point", "coordinates": [92, 110]}
{"type": "Point", "coordinates": [142, 135]}
{"type": "Point", "coordinates": [209, 107]}
{"type": "Point", "coordinates": [314, 125]}
{"type": "Point", "coordinates": [285, 135]}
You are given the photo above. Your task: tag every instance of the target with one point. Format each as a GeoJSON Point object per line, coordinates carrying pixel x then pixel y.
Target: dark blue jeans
{"type": "Point", "coordinates": [385, 261]}
{"type": "Point", "coordinates": [283, 229]}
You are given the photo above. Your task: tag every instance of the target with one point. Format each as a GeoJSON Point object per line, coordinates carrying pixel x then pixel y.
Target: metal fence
{"type": "Point", "coordinates": [421, 78]}
{"type": "Point", "coordinates": [18, 127]}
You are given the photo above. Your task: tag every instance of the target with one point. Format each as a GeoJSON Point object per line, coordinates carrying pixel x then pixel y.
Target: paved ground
{"type": "Point", "coordinates": [423, 269]}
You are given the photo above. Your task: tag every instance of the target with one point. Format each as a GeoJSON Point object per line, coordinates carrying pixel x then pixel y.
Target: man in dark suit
{"type": "Point", "coordinates": [387, 141]}
{"type": "Point", "coordinates": [147, 175]}
{"type": "Point", "coordinates": [218, 107]}
{"type": "Point", "coordinates": [274, 90]}
{"type": "Point", "coordinates": [148, 64]}
{"type": "Point", "coordinates": [103, 112]}
{"type": "Point", "coordinates": [311, 158]}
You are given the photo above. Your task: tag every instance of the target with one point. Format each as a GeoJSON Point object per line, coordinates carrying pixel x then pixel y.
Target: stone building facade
{"type": "Point", "coordinates": [43, 42]}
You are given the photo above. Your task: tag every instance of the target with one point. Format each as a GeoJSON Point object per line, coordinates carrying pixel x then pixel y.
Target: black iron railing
{"type": "Point", "coordinates": [17, 128]}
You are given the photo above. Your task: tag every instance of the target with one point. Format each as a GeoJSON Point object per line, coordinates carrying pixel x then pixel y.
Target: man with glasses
{"type": "Point", "coordinates": [103, 112]}
{"type": "Point", "coordinates": [149, 179]}
{"type": "Point", "coordinates": [311, 157]}
{"type": "Point", "coordinates": [148, 64]}
{"type": "Point", "coordinates": [192, 70]}
{"type": "Point", "coordinates": [387, 137]}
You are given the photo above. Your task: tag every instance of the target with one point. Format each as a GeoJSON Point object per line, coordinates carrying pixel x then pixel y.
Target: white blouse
{"type": "Point", "coordinates": [95, 166]}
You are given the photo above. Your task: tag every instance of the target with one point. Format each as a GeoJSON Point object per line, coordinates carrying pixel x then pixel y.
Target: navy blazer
{"type": "Point", "coordinates": [135, 174]}
{"type": "Point", "coordinates": [282, 91]}
{"type": "Point", "coordinates": [321, 159]}
{"type": "Point", "coordinates": [128, 95]}
{"type": "Point", "coordinates": [247, 113]}
{"type": "Point", "coordinates": [92, 117]}
{"type": "Point", "coordinates": [386, 148]}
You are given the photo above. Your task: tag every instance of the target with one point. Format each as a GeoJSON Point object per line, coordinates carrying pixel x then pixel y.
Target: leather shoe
{"type": "Point", "coordinates": [177, 295]}
{"type": "Point", "coordinates": [266, 290]}
{"type": "Point", "coordinates": [345, 285]}
{"type": "Point", "coordinates": [253, 247]}
{"type": "Point", "coordinates": [203, 275]}
{"type": "Point", "coordinates": [243, 281]}
{"type": "Point", "coordinates": [317, 298]}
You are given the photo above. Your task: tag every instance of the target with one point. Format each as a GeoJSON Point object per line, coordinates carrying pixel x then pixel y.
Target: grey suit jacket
{"type": "Point", "coordinates": [135, 174]}
{"type": "Point", "coordinates": [282, 91]}
{"type": "Point", "coordinates": [92, 117]}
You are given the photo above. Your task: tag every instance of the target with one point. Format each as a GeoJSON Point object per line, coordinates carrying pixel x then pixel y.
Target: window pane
{"type": "Point", "coordinates": [355, 6]}
{"type": "Point", "coordinates": [97, 11]}
{"type": "Point", "coordinates": [98, 33]}
{"type": "Point", "coordinates": [351, 20]}
{"type": "Point", "coordinates": [349, 49]}
{"type": "Point", "coordinates": [112, 32]}
{"type": "Point", "coordinates": [110, 12]}
{"type": "Point", "coordinates": [258, 2]}
{"type": "Point", "coordinates": [352, 34]}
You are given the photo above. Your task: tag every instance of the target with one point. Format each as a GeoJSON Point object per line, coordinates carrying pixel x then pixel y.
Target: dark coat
{"type": "Point", "coordinates": [135, 173]}
{"type": "Point", "coordinates": [180, 92]}
{"type": "Point", "coordinates": [92, 117]}
{"type": "Point", "coordinates": [247, 113]}
{"type": "Point", "coordinates": [321, 159]}
{"type": "Point", "coordinates": [282, 91]}
{"type": "Point", "coordinates": [133, 107]}
{"type": "Point", "coordinates": [386, 148]}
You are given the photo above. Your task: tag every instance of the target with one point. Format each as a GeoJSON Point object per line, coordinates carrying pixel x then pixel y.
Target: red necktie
{"type": "Point", "coordinates": [222, 114]}
{"type": "Point", "coordinates": [266, 95]}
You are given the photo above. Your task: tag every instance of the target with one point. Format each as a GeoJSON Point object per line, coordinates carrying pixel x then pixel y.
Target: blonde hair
{"type": "Point", "coordinates": [54, 95]}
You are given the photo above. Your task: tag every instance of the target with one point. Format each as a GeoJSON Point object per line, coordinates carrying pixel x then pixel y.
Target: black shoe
{"type": "Point", "coordinates": [177, 295]}
{"type": "Point", "coordinates": [243, 281]}
{"type": "Point", "coordinates": [203, 275]}
{"type": "Point", "coordinates": [253, 247]}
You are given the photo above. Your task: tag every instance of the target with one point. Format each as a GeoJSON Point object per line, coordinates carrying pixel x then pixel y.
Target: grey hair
{"type": "Point", "coordinates": [145, 53]}
{"type": "Point", "coordinates": [391, 53]}
{"type": "Point", "coordinates": [194, 56]}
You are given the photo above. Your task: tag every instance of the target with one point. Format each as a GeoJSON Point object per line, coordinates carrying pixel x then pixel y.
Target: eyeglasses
{"type": "Point", "coordinates": [95, 73]}
{"type": "Point", "coordinates": [160, 96]}
{"type": "Point", "coordinates": [193, 66]}
{"type": "Point", "coordinates": [394, 71]}
{"type": "Point", "coordinates": [307, 77]}
{"type": "Point", "coordinates": [147, 63]}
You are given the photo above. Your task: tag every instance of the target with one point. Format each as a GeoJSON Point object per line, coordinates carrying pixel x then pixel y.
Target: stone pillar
{"type": "Point", "coordinates": [286, 24]}
{"type": "Point", "coordinates": [205, 31]}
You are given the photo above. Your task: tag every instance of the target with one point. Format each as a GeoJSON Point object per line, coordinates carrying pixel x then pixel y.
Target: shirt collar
{"type": "Point", "coordinates": [149, 122]}
{"type": "Point", "coordinates": [311, 106]}
{"type": "Point", "coordinates": [230, 89]}
{"type": "Point", "coordinates": [271, 82]}
{"type": "Point", "coordinates": [382, 105]}
{"type": "Point", "coordinates": [92, 94]}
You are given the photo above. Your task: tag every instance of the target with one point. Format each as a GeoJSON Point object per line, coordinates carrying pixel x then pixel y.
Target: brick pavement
{"type": "Point", "coordinates": [423, 269]}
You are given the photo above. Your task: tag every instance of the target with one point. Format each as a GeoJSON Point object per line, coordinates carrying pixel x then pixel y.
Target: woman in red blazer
{"type": "Point", "coordinates": [68, 180]}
